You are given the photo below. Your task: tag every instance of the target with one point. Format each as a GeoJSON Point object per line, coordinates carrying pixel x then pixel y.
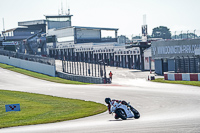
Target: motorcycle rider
{"type": "Point", "coordinates": [111, 102]}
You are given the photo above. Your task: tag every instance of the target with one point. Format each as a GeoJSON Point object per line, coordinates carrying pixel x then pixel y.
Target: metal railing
{"type": "Point", "coordinates": [34, 58]}
{"type": "Point", "coordinates": [94, 69]}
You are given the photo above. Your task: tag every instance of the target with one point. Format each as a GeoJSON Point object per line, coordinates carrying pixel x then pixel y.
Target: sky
{"type": "Point", "coordinates": [127, 15]}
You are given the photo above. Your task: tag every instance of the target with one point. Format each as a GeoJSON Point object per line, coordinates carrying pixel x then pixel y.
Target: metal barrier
{"type": "Point", "coordinates": [34, 58]}
{"type": "Point", "coordinates": [90, 69]}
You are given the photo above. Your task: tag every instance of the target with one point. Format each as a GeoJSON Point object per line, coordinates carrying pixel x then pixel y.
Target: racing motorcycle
{"type": "Point", "coordinates": [124, 110]}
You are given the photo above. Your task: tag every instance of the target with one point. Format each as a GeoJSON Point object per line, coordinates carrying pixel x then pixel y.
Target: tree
{"type": "Point", "coordinates": [136, 37]}
{"type": "Point", "coordinates": [161, 32]}
{"type": "Point", "coordinates": [185, 36]}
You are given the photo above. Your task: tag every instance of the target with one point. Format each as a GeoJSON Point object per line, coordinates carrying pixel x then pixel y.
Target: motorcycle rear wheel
{"type": "Point", "coordinates": [120, 113]}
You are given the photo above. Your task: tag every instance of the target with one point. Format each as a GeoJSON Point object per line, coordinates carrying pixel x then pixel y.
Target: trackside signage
{"type": "Point", "coordinates": [175, 49]}
{"type": "Point", "coordinates": [170, 49]}
{"type": "Point", "coordinates": [12, 107]}
{"type": "Point", "coordinates": [10, 43]}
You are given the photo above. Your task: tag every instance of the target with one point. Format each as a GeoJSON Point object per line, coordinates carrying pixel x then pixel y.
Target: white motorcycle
{"type": "Point", "coordinates": [124, 111]}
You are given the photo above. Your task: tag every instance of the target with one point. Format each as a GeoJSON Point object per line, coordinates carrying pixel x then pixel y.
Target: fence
{"type": "Point", "coordinates": [187, 65]}
{"type": "Point", "coordinates": [80, 78]}
{"type": "Point", "coordinates": [94, 69]}
{"type": "Point", "coordinates": [34, 58]}
{"type": "Point", "coordinates": [185, 34]}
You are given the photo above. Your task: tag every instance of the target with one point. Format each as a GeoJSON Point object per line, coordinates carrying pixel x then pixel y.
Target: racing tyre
{"type": "Point", "coordinates": [120, 113]}
{"type": "Point", "coordinates": [136, 113]}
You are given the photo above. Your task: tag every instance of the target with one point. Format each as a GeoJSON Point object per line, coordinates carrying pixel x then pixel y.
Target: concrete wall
{"type": "Point", "coordinates": [29, 65]}
{"type": "Point", "coordinates": [96, 80]}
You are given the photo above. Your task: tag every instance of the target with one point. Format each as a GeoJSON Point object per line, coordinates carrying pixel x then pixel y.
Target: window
{"type": "Point", "coordinates": [65, 39]}
{"type": "Point", "coordinates": [60, 19]}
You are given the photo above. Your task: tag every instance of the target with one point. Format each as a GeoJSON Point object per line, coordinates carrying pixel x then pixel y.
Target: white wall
{"type": "Point", "coordinates": [29, 65]}
{"type": "Point", "coordinates": [147, 59]}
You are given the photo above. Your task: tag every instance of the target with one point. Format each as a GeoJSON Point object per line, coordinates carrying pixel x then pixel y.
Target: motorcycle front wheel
{"type": "Point", "coordinates": [136, 113]}
{"type": "Point", "coordinates": [120, 113]}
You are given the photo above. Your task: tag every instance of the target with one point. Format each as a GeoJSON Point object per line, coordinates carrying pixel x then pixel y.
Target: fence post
{"type": "Point", "coordinates": [198, 64]}
{"type": "Point", "coordinates": [98, 70]}
{"type": "Point", "coordinates": [86, 67]}
{"type": "Point", "coordinates": [188, 64]}
{"type": "Point", "coordinates": [67, 61]}
{"type": "Point", "coordinates": [72, 63]}
{"type": "Point", "coordinates": [194, 65]}
{"type": "Point", "coordinates": [83, 68]}
{"type": "Point", "coordinates": [95, 68]}
{"type": "Point", "coordinates": [77, 68]}
{"type": "Point", "coordinates": [183, 64]}
{"type": "Point", "coordinates": [80, 68]}
{"type": "Point", "coordinates": [92, 65]}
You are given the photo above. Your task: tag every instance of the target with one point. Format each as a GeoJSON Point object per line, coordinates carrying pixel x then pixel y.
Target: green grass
{"type": "Point", "coordinates": [41, 76]}
{"type": "Point", "coordinates": [161, 80]}
{"type": "Point", "coordinates": [37, 109]}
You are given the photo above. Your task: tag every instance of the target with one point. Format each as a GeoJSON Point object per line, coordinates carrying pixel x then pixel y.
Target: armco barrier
{"type": "Point", "coordinates": [182, 76]}
{"type": "Point", "coordinates": [95, 80]}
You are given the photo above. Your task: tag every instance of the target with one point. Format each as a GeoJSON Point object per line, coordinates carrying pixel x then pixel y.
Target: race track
{"type": "Point", "coordinates": [163, 107]}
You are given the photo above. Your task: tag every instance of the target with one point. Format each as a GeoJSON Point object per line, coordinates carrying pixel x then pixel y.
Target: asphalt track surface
{"type": "Point", "coordinates": [163, 107]}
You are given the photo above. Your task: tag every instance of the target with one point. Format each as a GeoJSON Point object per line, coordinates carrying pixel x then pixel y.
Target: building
{"type": "Point", "coordinates": [178, 56]}
{"type": "Point", "coordinates": [56, 37]}
{"type": "Point", "coordinates": [148, 61]}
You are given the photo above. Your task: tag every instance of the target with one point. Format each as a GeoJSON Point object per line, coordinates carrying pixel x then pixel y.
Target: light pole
{"type": "Point", "coordinates": [187, 34]}
{"type": "Point", "coordinates": [181, 34]}
{"type": "Point", "coordinates": [194, 34]}
{"type": "Point", "coordinates": [101, 70]}
{"type": "Point", "coordinates": [175, 34]}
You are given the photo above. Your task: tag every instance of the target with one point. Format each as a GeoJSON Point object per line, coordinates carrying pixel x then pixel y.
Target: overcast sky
{"type": "Point", "coordinates": [127, 15]}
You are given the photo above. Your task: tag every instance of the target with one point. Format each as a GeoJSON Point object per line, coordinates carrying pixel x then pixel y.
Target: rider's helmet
{"type": "Point", "coordinates": [107, 100]}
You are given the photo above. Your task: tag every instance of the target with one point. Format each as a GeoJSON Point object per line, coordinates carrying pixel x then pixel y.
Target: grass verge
{"type": "Point", "coordinates": [37, 109]}
{"type": "Point", "coordinates": [40, 76]}
{"type": "Point", "coordinates": [161, 80]}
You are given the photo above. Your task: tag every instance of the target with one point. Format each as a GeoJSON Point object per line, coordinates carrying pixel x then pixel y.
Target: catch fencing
{"type": "Point", "coordinates": [91, 72]}
{"type": "Point", "coordinates": [187, 64]}
{"type": "Point", "coordinates": [94, 69]}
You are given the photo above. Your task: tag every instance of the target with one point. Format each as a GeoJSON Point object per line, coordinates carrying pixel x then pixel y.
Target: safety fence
{"type": "Point", "coordinates": [94, 69]}
{"type": "Point", "coordinates": [34, 58]}
{"type": "Point", "coordinates": [187, 65]}
{"type": "Point", "coordinates": [86, 69]}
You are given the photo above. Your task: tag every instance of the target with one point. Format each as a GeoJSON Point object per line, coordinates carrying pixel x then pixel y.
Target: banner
{"type": "Point", "coordinates": [12, 107]}
{"type": "Point", "coordinates": [10, 43]}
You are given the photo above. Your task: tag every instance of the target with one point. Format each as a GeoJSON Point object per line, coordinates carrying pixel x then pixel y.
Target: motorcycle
{"type": "Point", "coordinates": [124, 111]}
